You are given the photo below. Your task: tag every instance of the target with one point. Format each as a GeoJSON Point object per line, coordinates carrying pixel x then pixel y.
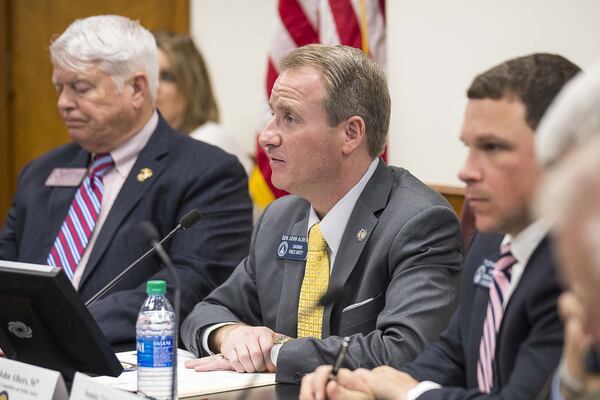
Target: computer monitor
{"type": "Point", "coordinates": [44, 322]}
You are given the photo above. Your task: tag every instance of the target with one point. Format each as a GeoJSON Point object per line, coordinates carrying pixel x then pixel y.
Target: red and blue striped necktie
{"type": "Point", "coordinates": [76, 231]}
{"type": "Point", "coordinates": [498, 291]}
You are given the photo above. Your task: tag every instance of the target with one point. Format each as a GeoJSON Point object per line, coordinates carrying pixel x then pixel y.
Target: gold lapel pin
{"type": "Point", "coordinates": [361, 235]}
{"type": "Point", "coordinates": [144, 174]}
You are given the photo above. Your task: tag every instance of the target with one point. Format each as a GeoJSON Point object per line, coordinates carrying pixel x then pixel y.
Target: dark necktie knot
{"type": "Point", "coordinates": [506, 260]}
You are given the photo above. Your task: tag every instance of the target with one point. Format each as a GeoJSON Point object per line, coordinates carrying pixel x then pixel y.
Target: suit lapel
{"type": "Point", "coordinates": [59, 201]}
{"type": "Point", "coordinates": [531, 276]}
{"type": "Point", "coordinates": [373, 199]}
{"type": "Point", "coordinates": [529, 269]}
{"type": "Point", "coordinates": [287, 316]}
{"type": "Point", "coordinates": [130, 194]}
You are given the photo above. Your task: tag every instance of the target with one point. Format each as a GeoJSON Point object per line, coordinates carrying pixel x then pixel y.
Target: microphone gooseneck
{"type": "Point", "coordinates": [151, 235]}
{"type": "Point", "coordinates": [186, 222]}
{"type": "Point", "coordinates": [332, 295]}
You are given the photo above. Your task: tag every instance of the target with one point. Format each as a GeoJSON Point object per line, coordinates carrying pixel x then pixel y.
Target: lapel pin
{"type": "Point", "coordinates": [361, 235]}
{"type": "Point", "coordinates": [144, 174]}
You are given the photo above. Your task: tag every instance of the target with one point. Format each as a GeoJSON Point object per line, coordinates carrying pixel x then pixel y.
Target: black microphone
{"type": "Point", "coordinates": [332, 295]}
{"type": "Point", "coordinates": [151, 235]}
{"type": "Point", "coordinates": [186, 222]}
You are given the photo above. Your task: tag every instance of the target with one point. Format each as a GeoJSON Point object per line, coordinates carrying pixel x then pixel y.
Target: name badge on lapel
{"type": "Point", "coordinates": [66, 177]}
{"type": "Point", "coordinates": [292, 247]}
{"type": "Point", "coordinates": [483, 275]}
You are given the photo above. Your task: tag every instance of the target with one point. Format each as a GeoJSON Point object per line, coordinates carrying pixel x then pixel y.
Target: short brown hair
{"type": "Point", "coordinates": [354, 85]}
{"type": "Point", "coordinates": [191, 78]}
{"type": "Point", "coordinates": [534, 79]}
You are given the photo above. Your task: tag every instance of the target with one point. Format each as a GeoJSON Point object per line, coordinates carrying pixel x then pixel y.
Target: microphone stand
{"type": "Point", "coordinates": [332, 295]}
{"type": "Point", "coordinates": [150, 232]}
{"type": "Point", "coordinates": [186, 222]}
{"type": "Point", "coordinates": [117, 278]}
{"type": "Point", "coordinates": [176, 306]}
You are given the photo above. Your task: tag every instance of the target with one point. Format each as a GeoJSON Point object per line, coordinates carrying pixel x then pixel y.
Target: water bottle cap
{"type": "Point", "coordinates": [156, 287]}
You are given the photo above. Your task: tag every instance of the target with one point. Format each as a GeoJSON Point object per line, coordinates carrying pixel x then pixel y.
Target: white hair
{"type": "Point", "coordinates": [116, 45]}
{"type": "Point", "coordinates": [573, 184]}
{"type": "Point", "coordinates": [573, 117]}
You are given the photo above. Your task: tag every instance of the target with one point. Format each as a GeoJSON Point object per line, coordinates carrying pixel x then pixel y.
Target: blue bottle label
{"type": "Point", "coordinates": [155, 351]}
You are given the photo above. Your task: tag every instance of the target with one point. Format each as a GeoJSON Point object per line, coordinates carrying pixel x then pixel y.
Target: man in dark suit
{"type": "Point", "coordinates": [504, 339]}
{"type": "Point", "coordinates": [385, 243]}
{"type": "Point", "coordinates": [78, 207]}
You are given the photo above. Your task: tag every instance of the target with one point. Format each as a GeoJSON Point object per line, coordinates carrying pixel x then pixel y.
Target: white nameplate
{"type": "Point", "coordinates": [86, 388]}
{"type": "Point", "coordinates": [20, 381]}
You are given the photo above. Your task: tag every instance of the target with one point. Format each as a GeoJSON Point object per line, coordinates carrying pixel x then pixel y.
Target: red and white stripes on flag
{"type": "Point", "coordinates": [357, 23]}
{"type": "Point", "coordinates": [78, 226]}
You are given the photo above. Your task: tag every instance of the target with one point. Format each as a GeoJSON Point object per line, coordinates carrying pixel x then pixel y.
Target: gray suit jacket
{"type": "Point", "coordinates": [408, 265]}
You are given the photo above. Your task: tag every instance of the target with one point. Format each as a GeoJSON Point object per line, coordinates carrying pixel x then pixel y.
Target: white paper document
{"type": "Point", "coordinates": [189, 382]}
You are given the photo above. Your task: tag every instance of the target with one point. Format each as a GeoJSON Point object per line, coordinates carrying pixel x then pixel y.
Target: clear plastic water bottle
{"type": "Point", "coordinates": [156, 342]}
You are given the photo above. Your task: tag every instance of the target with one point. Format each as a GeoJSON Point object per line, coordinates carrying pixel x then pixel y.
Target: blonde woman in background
{"type": "Point", "coordinates": [185, 96]}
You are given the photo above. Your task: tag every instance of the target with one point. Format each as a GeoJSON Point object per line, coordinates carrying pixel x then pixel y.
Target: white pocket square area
{"type": "Point", "coordinates": [356, 305]}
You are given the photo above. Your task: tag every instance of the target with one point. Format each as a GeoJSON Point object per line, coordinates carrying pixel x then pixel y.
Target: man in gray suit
{"type": "Point", "coordinates": [391, 249]}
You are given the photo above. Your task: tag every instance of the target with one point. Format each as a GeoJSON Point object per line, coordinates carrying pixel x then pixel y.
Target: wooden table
{"type": "Point", "coordinates": [279, 391]}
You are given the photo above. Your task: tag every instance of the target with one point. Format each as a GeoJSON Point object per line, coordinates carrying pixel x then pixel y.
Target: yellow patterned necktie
{"type": "Point", "coordinates": [314, 285]}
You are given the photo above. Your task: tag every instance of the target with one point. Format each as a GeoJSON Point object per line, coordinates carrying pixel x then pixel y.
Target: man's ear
{"type": "Point", "coordinates": [139, 84]}
{"type": "Point", "coordinates": [355, 134]}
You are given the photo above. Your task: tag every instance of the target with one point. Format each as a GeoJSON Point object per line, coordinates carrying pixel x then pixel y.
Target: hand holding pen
{"type": "Point", "coordinates": [340, 358]}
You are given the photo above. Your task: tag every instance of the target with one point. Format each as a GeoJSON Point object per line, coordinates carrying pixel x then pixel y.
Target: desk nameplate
{"type": "Point", "coordinates": [86, 388]}
{"type": "Point", "coordinates": [20, 381]}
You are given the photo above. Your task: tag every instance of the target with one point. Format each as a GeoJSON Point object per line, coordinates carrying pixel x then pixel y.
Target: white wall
{"type": "Point", "coordinates": [435, 48]}
{"type": "Point", "coordinates": [234, 37]}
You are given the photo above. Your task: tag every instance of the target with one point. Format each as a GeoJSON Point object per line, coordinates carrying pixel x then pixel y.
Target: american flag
{"type": "Point", "coordinates": [357, 23]}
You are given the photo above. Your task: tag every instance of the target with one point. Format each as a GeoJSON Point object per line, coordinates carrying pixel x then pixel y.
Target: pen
{"type": "Point", "coordinates": [339, 359]}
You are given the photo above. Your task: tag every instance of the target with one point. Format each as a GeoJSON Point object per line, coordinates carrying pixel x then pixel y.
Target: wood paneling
{"type": "Point", "coordinates": [35, 125]}
{"type": "Point", "coordinates": [6, 162]}
{"type": "Point", "coordinates": [454, 195]}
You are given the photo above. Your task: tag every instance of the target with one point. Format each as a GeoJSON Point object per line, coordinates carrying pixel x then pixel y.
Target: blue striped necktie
{"type": "Point", "coordinates": [76, 231]}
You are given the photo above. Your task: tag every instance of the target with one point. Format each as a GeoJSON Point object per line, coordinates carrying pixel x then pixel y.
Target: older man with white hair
{"type": "Point", "coordinates": [569, 148]}
{"type": "Point", "coordinates": [78, 206]}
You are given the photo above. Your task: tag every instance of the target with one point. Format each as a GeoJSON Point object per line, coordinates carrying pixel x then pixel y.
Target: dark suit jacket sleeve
{"type": "Point", "coordinates": [8, 244]}
{"type": "Point", "coordinates": [443, 361]}
{"type": "Point", "coordinates": [8, 235]}
{"type": "Point", "coordinates": [535, 359]}
{"type": "Point", "coordinates": [204, 255]}
{"type": "Point", "coordinates": [424, 261]}
{"type": "Point", "coordinates": [237, 297]}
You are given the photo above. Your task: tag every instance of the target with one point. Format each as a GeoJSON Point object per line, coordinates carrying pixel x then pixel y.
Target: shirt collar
{"type": "Point", "coordinates": [125, 155]}
{"type": "Point", "coordinates": [525, 242]}
{"type": "Point", "coordinates": [334, 223]}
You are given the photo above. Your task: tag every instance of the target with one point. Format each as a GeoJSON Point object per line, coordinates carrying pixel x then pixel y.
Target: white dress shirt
{"type": "Point", "coordinates": [124, 157]}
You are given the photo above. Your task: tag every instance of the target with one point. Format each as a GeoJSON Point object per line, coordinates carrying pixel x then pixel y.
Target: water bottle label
{"type": "Point", "coordinates": [155, 351]}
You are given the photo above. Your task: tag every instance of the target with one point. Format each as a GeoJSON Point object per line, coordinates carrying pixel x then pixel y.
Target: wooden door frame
{"type": "Point", "coordinates": [7, 185]}
{"type": "Point", "coordinates": [17, 145]}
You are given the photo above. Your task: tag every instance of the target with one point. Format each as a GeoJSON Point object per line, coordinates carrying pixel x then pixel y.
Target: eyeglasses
{"type": "Point", "coordinates": [166, 76]}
